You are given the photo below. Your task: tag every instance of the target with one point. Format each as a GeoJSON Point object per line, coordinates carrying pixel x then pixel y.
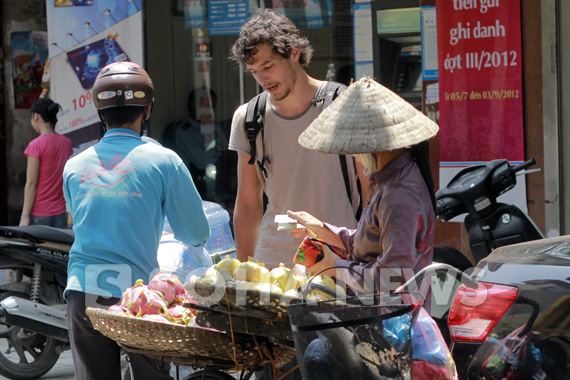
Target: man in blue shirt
{"type": "Point", "coordinates": [118, 193]}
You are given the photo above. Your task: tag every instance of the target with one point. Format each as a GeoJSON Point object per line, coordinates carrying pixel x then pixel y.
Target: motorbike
{"type": "Point", "coordinates": [33, 276]}
{"type": "Point", "coordinates": [33, 319]}
{"type": "Point", "coordinates": [489, 223]}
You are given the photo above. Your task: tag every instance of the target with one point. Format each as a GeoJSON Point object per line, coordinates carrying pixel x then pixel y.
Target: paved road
{"type": "Point", "coordinates": [63, 369]}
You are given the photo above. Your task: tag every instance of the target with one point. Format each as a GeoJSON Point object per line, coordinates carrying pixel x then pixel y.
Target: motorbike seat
{"type": "Point", "coordinates": [38, 234]}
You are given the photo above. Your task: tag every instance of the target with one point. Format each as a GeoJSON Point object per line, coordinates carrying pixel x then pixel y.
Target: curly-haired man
{"type": "Point", "coordinates": [293, 178]}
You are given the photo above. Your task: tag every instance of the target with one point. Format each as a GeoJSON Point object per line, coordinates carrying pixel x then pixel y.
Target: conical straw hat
{"type": "Point", "coordinates": [365, 118]}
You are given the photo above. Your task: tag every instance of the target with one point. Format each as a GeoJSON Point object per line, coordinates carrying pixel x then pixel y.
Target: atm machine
{"type": "Point", "coordinates": [396, 47]}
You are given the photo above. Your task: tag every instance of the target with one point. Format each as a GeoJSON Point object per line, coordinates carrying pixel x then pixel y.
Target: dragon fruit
{"type": "Point", "coordinates": [118, 309]}
{"type": "Point", "coordinates": [180, 314]}
{"type": "Point", "coordinates": [189, 299]}
{"type": "Point", "coordinates": [146, 301]}
{"type": "Point", "coordinates": [169, 285]}
{"type": "Point", "coordinates": [156, 318]}
{"type": "Point", "coordinates": [126, 299]}
{"type": "Point", "coordinates": [178, 289]}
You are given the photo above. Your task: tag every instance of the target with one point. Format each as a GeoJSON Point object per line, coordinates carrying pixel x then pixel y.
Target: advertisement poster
{"type": "Point", "coordinates": [84, 36]}
{"type": "Point", "coordinates": [480, 85]}
{"type": "Point", "coordinates": [429, 43]}
{"type": "Point", "coordinates": [306, 14]}
{"type": "Point", "coordinates": [195, 14]}
{"type": "Point", "coordinates": [226, 16]}
{"type": "Point", "coordinates": [362, 36]}
{"type": "Point", "coordinates": [29, 54]}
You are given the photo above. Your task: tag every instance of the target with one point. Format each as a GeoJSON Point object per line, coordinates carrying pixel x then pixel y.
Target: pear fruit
{"type": "Point", "coordinates": [228, 264]}
{"type": "Point", "coordinates": [265, 287]}
{"type": "Point", "coordinates": [280, 276]}
{"type": "Point", "coordinates": [264, 274]}
{"type": "Point", "coordinates": [248, 271]}
{"type": "Point", "coordinates": [247, 285]}
{"type": "Point", "coordinates": [326, 281]}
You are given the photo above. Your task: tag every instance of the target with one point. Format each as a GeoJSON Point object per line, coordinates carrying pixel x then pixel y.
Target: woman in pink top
{"type": "Point", "coordinates": [47, 154]}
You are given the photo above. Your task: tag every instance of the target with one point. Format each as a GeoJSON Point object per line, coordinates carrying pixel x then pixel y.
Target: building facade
{"type": "Point", "coordinates": [192, 75]}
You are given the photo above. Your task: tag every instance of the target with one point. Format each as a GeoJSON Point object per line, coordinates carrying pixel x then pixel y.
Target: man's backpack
{"type": "Point", "coordinates": [254, 124]}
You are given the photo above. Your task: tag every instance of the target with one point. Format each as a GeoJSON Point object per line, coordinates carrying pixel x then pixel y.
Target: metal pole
{"type": "Point", "coordinates": [3, 169]}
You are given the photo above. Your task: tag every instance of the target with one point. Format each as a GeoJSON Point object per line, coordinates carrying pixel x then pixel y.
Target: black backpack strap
{"type": "Point", "coordinates": [332, 90]}
{"type": "Point", "coordinates": [344, 167]}
{"type": "Point", "coordinates": [254, 122]}
{"type": "Point", "coordinates": [330, 93]}
{"type": "Point", "coordinates": [253, 125]}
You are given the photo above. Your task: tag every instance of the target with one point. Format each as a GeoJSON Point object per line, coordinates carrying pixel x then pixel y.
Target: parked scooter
{"type": "Point", "coordinates": [33, 276]}
{"type": "Point", "coordinates": [33, 319]}
{"type": "Point", "coordinates": [490, 224]}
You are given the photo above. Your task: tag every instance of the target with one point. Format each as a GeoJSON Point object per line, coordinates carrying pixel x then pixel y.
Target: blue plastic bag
{"type": "Point", "coordinates": [396, 331]}
{"type": "Point", "coordinates": [427, 342]}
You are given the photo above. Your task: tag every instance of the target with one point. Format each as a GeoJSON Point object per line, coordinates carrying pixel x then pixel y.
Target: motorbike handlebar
{"type": "Point", "coordinates": [524, 165]}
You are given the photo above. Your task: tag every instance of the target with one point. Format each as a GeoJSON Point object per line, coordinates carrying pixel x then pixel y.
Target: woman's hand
{"type": "Point", "coordinates": [25, 221]}
{"type": "Point", "coordinates": [328, 261]}
{"type": "Point", "coordinates": [312, 225]}
{"type": "Point", "coordinates": [314, 228]}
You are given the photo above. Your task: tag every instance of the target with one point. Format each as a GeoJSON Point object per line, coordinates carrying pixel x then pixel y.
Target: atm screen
{"type": "Point", "coordinates": [413, 74]}
{"type": "Point", "coordinates": [408, 73]}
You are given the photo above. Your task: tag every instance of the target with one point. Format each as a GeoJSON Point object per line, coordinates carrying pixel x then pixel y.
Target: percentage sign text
{"type": "Point", "coordinates": [83, 100]}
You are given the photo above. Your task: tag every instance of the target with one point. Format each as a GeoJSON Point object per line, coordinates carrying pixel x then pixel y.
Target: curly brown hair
{"type": "Point", "coordinates": [267, 26]}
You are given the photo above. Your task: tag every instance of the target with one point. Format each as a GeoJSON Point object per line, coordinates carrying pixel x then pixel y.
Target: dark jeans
{"type": "Point", "coordinates": [96, 357]}
{"type": "Point", "coordinates": [57, 221]}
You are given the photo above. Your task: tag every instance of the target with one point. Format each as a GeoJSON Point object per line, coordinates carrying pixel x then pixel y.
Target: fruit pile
{"type": "Point", "coordinates": [255, 276]}
{"type": "Point", "coordinates": [160, 301]}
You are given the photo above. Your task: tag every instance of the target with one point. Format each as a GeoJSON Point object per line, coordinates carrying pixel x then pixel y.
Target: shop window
{"type": "Point", "coordinates": [206, 87]}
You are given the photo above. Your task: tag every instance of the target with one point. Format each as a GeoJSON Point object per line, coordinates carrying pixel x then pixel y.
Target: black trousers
{"type": "Point", "coordinates": [96, 357]}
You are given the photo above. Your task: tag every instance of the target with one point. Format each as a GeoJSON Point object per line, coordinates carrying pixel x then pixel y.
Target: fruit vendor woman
{"type": "Point", "coordinates": [396, 232]}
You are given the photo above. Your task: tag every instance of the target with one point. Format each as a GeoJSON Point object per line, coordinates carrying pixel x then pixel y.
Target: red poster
{"type": "Point", "coordinates": [480, 80]}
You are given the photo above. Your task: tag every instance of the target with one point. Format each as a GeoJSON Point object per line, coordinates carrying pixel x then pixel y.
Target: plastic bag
{"type": "Point", "coordinates": [432, 358]}
{"type": "Point", "coordinates": [182, 259]}
{"type": "Point", "coordinates": [512, 357]}
{"type": "Point", "coordinates": [395, 331]}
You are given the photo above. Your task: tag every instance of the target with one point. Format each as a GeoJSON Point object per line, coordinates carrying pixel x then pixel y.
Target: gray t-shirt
{"type": "Point", "coordinates": [298, 179]}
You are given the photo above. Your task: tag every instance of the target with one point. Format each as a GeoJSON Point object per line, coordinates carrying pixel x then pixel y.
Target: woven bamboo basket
{"type": "Point", "coordinates": [169, 339]}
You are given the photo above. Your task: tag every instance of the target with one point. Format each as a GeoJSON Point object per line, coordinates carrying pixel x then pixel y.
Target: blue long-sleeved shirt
{"type": "Point", "coordinates": [118, 193]}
